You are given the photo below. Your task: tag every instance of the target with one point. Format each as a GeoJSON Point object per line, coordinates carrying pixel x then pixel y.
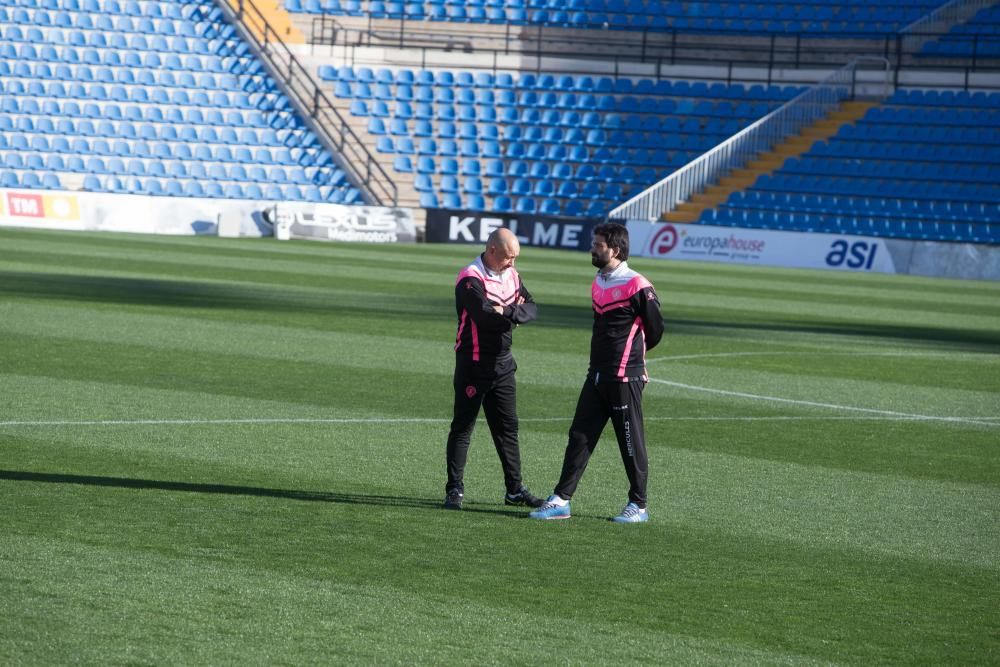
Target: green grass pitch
{"type": "Point", "coordinates": [232, 451]}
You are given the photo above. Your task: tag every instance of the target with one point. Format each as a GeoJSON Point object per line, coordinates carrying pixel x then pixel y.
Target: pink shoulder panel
{"type": "Point", "coordinates": [616, 294]}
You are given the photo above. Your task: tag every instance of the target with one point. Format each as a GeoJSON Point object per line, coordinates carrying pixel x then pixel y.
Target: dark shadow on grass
{"type": "Point", "coordinates": [214, 295]}
{"type": "Point", "coordinates": [986, 341]}
{"type": "Point", "coordinates": [234, 490]}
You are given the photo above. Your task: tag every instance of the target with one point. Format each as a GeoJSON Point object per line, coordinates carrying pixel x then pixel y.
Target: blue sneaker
{"type": "Point", "coordinates": [632, 514]}
{"type": "Point", "coordinates": [554, 508]}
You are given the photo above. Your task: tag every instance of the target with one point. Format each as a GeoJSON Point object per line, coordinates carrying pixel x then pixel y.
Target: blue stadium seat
{"type": "Point", "coordinates": [525, 205]}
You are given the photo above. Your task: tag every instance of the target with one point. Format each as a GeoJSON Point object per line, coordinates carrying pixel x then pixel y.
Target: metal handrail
{"type": "Point", "coordinates": [332, 129]}
{"type": "Point", "coordinates": [738, 150]}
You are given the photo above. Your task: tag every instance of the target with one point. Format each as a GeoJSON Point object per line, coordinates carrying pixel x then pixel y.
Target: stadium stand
{"type": "Point", "coordinates": [570, 145]}
{"type": "Point", "coordinates": [924, 165]}
{"type": "Point", "coordinates": [149, 97]}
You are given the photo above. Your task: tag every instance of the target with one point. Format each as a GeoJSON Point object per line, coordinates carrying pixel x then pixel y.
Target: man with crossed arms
{"type": "Point", "coordinates": [490, 301]}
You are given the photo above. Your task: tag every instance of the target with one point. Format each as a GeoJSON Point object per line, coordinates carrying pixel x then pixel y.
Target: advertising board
{"type": "Point", "coordinates": [457, 226]}
{"type": "Point", "coordinates": [335, 222]}
{"type": "Point", "coordinates": [735, 245]}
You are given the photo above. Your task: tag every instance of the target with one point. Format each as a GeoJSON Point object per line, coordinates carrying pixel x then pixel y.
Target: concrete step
{"type": "Point", "coordinates": [739, 182]}
{"type": "Point", "coordinates": [765, 165]}
{"type": "Point", "coordinates": [681, 216]}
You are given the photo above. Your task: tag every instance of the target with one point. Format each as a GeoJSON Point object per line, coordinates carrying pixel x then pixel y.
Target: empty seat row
{"type": "Point", "coordinates": [909, 114]}
{"type": "Point", "coordinates": [137, 94]}
{"type": "Point", "coordinates": [589, 115]}
{"type": "Point", "coordinates": [873, 187]}
{"type": "Point", "coordinates": [557, 83]}
{"type": "Point", "coordinates": [196, 188]}
{"type": "Point", "coordinates": [891, 150]}
{"type": "Point", "coordinates": [978, 46]}
{"type": "Point", "coordinates": [32, 75]}
{"type": "Point", "coordinates": [470, 103]}
{"type": "Point", "coordinates": [916, 134]}
{"type": "Point", "coordinates": [522, 186]}
{"type": "Point", "coordinates": [945, 98]}
{"type": "Point", "coordinates": [163, 146]}
{"type": "Point", "coordinates": [670, 133]}
{"type": "Point", "coordinates": [97, 41]}
{"type": "Point", "coordinates": [860, 225]}
{"type": "Point", "coordinates": [71, 55]}
{"type": "Point", "coordinates": [687, 148]}
{"type": "Point", "coordinates": [181, 187]}
{"type": "Point", "coordinates": [149, 8]}
{"type": "Point", "coordinates": [29, 179]}
{"type": "Point", "coordinates": [306, 156]}
{"type": "Point", "coordinates": [52, 116]}
{"type": "Point", "coordinates": [655, 16]}
{"type": "Point", "coordinates": [103, 22]}
{"type": "Point", "coordinates": [895, 169]}
{"type": "Point", "coordinates": [517, 168]}
{"type": "Point", "coordinates": [909, 209]}
{"type": "Point", "coordinates": [157, 168]}
{"type": "Point", "coordinates": [507, 204]}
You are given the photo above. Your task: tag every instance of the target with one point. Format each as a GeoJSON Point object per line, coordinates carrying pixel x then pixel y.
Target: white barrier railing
{"type": "Point", "coordinates": [744, 146]}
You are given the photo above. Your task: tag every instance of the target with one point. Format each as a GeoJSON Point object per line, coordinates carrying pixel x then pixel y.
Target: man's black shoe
{"type": "Point", "coordinates": [522, 498]}
{"type": "Point", "coordinates": [453, 501]}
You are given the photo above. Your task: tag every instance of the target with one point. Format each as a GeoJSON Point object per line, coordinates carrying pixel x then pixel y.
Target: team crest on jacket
{"type": "Point", "coordinates": [470, 391]}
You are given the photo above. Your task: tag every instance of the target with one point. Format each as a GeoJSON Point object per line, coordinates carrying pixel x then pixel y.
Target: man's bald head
{"type": "Point", "coordinates": [503, 238]}
{"type": "Point", "coordinates": [502, 248]}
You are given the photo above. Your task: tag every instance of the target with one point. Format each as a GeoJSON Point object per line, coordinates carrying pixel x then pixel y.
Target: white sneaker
{"type": "Point", "coordinates": [632, 514]}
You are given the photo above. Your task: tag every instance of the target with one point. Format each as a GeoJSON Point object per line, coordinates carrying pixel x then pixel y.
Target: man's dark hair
{"type": "Point", "coordinates": [616, 236]}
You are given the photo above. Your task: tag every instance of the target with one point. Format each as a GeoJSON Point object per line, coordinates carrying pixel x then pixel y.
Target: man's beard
{"type": "Point", "coordinates": [596, 261]}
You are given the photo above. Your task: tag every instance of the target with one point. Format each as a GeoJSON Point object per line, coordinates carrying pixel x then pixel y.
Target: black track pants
{"type": "Point", "coordinates": [498, 398]}
{"type": "Point", "coordinates": [621, 402]}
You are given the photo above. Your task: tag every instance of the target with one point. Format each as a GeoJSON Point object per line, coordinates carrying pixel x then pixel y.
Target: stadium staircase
{"type": "Point", "coordinates": [769, 162]}
{"type": "Point", "coordinates": [275, 15]}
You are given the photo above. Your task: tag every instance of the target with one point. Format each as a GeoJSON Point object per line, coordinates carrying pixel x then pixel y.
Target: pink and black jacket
{"type": "Point", "coordinates": [627, 322]}
{"type": "Point", "coordinates": [484, 335]}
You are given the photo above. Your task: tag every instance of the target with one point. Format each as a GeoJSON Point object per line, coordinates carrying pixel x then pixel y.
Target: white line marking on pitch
{"type": "Point", "coordinates": [888, 416]}
{"type": "Point", "coordinates": [198, 422]}
{"type": "Point", "coordinates": [833, 406]}
{"type": "Point", "coordinates": [784, 353]}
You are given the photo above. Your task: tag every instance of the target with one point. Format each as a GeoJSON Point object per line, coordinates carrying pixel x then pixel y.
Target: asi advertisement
{"type": "Point", "coordinates": [736, 245]}
{"type": "Point", "coordinates": [456, 226]}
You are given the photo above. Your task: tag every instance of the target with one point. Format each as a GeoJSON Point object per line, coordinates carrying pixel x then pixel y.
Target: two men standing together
{"type": "Point", "coordinates": [491, 301]}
